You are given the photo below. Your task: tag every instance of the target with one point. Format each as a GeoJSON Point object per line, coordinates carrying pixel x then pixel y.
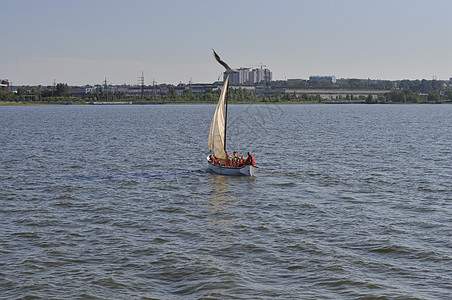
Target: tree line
{"type": "Point", "coordinates": [57, 93]}
{"type": "Point", "coordinates": [421, 86]}
{"type": "Point", "coordinates": [403, 91]}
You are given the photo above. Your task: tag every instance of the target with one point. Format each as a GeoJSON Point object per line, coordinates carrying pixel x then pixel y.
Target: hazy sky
{"type": "Point", "coordinates": [82, 42]}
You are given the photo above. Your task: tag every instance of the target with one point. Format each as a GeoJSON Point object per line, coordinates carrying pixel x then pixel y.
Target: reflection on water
{"type": "Point", "coordinates": [219, 201]}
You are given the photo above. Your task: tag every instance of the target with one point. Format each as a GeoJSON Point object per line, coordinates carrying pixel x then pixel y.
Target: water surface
{"type": "Point", "coordinates": [351, 201]}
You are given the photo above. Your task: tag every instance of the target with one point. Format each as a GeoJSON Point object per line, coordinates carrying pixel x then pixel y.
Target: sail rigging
{"type": "Point", "coordinates": [217, 134]}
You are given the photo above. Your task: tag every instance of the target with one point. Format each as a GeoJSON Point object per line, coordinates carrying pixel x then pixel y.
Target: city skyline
{"type": "Point", "coordinates": [83, 42]}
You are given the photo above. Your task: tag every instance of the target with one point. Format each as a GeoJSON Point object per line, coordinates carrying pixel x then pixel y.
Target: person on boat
{"type": "Point", "coordinates": [213, 159]}
{"type": "Point", "coordinates": [227, 161]}
{"type": "Point", "coordinates": [242, 161]}
{"type": "Point", "coordinates": [250, 160]}
{"type": "Point", "coordinates": [235, 159]}
{"type": "Point", "coordinates": [219, 161]}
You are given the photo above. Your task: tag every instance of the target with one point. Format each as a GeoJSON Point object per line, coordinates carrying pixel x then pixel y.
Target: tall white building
{"type": "Point", "coordinates": [252, 76]}
{"type": "Point", "coordinates": [240, 77]}
{"type": "Point", "coordinates": [263, 75]}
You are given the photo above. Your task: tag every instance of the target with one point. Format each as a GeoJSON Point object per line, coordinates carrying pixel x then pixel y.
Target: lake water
{"type": "Point", "coordinates": [115, 202]}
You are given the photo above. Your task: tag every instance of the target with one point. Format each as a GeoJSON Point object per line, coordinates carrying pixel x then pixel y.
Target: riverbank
{"type": "Point", "coordinates": [146, 103]}
{"type": "Point", "coordinates": [207, 103]}
{"type": "Point", "coordinates": [27, 104]}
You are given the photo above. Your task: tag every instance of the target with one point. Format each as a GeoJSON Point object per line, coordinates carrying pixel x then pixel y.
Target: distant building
{"type": "Point", "coordinates": [328, 79]}
{"type": "Point", "coordinates": [239, 77]}
{"type": "Point", "coordinates": [81, 91]}
{"type": "Point", "coordinates": [262, 75]}
{"type": "Point", "coordinates": [4, 85]}
{"type": "Point", "coordinates": [251, 76]}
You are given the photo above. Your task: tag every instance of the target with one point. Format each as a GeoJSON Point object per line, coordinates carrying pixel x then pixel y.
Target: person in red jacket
{"type": "Point", "coordinates": [213, 159]}
{"type": "Point", "coordinates": [250, 160]}
{"type": "Point", "coordinates": [228, 160]}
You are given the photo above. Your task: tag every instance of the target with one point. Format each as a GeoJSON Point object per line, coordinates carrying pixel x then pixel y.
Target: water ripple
{"type": "Point", "coordinates": [115, 202]}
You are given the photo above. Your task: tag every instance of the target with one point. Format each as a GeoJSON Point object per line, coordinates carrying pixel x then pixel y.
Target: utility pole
{"type": "Point", "coordinates": [105, 89]}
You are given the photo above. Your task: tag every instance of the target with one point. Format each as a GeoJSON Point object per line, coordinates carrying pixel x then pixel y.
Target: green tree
{"type": "Point", "coordinates": [434, 96]}
{"type": "Point", "coordinates": [62, 90]}
{"type": "Point", "coordinates": [187, 95]}
{"type": "Point", "coordinates": [171, 93]}
{"type": "Point", "coordinates": [448, 94]}
{"type": "Point", "coordinates": [7, 96]}
{"type": "Point", "coordinates": [21, 92]}
{"type": "Point", "coordinates": [48, 92]}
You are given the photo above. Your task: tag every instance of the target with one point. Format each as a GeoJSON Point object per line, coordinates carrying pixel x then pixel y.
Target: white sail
{"type": "Point", "coordinates": [216, 134]}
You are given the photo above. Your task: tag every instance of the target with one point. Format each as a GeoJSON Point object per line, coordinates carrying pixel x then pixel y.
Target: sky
{"type": "Point", "coordinates": [85, 42]}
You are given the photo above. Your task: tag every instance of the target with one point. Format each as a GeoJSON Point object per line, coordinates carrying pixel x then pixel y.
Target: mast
{"type": "Point", "coordinates": [226, 114]}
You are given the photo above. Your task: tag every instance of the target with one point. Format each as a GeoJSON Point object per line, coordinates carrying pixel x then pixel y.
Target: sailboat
{"type": "Point", "coordinates": [217, 133]}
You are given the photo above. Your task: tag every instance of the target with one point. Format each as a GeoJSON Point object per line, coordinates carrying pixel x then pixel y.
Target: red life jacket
{"type": "Point", "coordinates": [253, 163]}
{"type": "Point", "coordinates": [250, 160]}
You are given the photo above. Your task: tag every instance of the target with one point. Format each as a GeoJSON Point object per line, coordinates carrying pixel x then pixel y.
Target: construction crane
{"type": "Point", "coordinates": [259, 65]}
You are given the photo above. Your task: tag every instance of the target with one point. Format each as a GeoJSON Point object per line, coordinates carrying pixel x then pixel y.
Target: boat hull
{"type": "Point", "coordinates": [243, 171]}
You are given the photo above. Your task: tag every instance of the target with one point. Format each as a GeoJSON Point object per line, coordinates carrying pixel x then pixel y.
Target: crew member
{"type": "Point", "coordinates": [250, 160]}
{"type": "Point", "coordinates": [242, 161]}
{"type": "Point", "coordinates": [228, 160]}
{"type": "Point", "coordinates": [235, 159]}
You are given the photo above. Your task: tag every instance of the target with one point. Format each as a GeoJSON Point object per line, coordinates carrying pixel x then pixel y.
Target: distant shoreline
{"type": "Point", "coordinates": [118, 103]}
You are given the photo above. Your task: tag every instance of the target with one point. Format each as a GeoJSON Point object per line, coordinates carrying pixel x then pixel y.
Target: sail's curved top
{"type": "Point", "coordinates": [216, 134]}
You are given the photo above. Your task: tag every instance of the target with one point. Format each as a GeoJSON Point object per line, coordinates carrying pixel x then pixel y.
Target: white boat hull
{"type": "Point", "coordinates": [247, 170]}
